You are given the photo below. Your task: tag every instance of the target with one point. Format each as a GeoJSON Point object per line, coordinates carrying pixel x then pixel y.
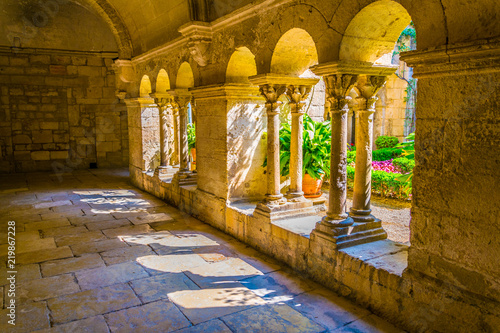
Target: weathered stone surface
{"type": "Point", "coordinates": [29, 317]}
{"type": "Point", "coordinates": [79, 238]}
{"type": "Point", "coordinates": [105, 276]}
{"type": "Point", "coordinates": [62, 266]}
{"type": "Point", "coordinates": [157, 316]}
{"type": "Point", "coordinates": [202, 305]}
{"type": "Point", "coordinates": [160, 217]}
{"type": "Point", "coordinates": [44, 255]}
{"type": "Point", "coordinates": [278, 286]}
{"type": "Point", "coordinates": [62, 231]}
{"type": "Point", "coordinates": [61, 222]}
{"type": "Point", "coordinates": [212, 326]}
{"type": "Point", "coordinates": [327, 308]}
{"type": "Point", "coordinates": [272, 318]}
{"type": "Point", "coordinates": [42, 289]}
{"type": "Point", "coordinates": [124, 254]}
{"type": "Point", "coordinates": [92, 302]}
{"type": "Point", "coordinates": [170, 263]}
{"type": "Point", "coordinates": [220, 274]}
{"type": "Point", "coordinates": [98, 246]}
{"type": "Point", "coordinates": [107, 224]}
{"type": "Point", "coordinates": [127, 231]}
{"type": "Point", "coordinates": [89, 325]}
{"type": "Point", "coordinates": [158, 287]}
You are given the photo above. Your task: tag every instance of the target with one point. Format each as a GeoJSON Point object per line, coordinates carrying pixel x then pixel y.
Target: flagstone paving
{"type": "Point", "coordinates": [95, 254]}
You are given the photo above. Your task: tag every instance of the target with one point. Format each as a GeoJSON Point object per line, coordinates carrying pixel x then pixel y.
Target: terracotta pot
{"type": "Point", "coordinates": [311, 186]}
{"type": "Point", "coordinates": [193, 157]}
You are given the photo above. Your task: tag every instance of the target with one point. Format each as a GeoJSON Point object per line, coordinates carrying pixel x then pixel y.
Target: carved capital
{"type": "Point", "coordinates": [199, 36]}
{"type": "Point", "coordinates": [297, 95]}
{"type": "Point", "coordinates": [338, 87]}
{"type": "Point", "coordinates": [199, 51]}
{"type": "Point", "coordinates": [369, 87]}
{"type": "Point", "coordinates": [272, 93]}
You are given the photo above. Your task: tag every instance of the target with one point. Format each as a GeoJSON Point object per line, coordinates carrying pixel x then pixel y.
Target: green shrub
{"type": "Point", "coordinates": [384, 183]}
{"type": "Point", "coordinates": [385, 141]}
{"type": "Point", "coordinates": [191, 136]}
{"type": "Point", "coordinates": [351, 156]}
{"type": "Point", "coordinates": [386, 154]}
{"type": "Point", "coordinates": [404, 164]}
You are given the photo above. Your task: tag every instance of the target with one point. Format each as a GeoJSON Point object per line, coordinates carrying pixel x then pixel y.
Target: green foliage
{"type": "Point", "coordinates": [384, 183]}
{"type": "Point", "coordinates": [315, 148]}
{"type": "Point", "coordinates": [409, 152]}
{"type": "Point", "coordinates": [404, 164]}
{"type": "Point", "coordinates": [385, 141]}
{"type": "Point", "coordinates": [191, 135]}
{"type": "Point", "coordinates": [386, 154]}
{"type": "Point", "coordinates": [351, 156]}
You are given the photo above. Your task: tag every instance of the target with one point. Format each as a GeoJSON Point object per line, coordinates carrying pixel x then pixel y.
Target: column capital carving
{"type": "Point", "coordinates": [181, 96]}
{"type": "Point", "coordinates": [298, 95]}
{"type": "Point", "coordinates": [369, 86]}
{"type": "Point", "coordinates": [337, 90]}
{"type": "Point", "coordinates": [199, 38]}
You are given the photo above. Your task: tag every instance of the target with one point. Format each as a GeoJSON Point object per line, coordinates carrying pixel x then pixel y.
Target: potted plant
{"type": "Point", "coordinates": [315, 154]}
{"type": "Point", "coordinates": [191, 136]}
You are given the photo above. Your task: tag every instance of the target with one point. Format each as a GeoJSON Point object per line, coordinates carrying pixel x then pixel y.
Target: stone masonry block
{"type": "Point", "coordinates": [58, 155]}
{"type": "Point", "coordinates": [40, 155]}
{"type": "Point", "coordinates": [21, 139]}
{"type": "Point", "coordinates": [49, 125]}
{"type": "Point", "coordinates": [19, 61]}
{"type": "Point", "coordinates": [40, 59]}
{"type": "Point", "coordinates": [44, 136]}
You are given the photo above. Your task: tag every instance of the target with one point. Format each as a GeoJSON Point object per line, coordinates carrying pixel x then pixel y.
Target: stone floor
{"type": "Point", "coordinates": [94, 254]}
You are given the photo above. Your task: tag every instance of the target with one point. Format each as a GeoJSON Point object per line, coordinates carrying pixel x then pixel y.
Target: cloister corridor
{"type": "Point", "coordinates": [95, 254]}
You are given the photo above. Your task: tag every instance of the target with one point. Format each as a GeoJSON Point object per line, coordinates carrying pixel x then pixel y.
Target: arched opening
{"type": "Point", "coordinates": [145, 87]}
{"type": "Point", "coordinates": [376, 35]}
{"type": "Point", "coordinates": [372, 33]}
{"type": "Point", "coordinates": [185, 77]}
{"type": "Point", "coordinates": [294, 53]}
{"type": "Point", "coordinates": [241, 65]}
{"type": "Point", "coordinates": [162, 82]}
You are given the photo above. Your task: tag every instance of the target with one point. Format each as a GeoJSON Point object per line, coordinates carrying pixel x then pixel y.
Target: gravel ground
{"type": "Point", "coordinates": [395, 216]}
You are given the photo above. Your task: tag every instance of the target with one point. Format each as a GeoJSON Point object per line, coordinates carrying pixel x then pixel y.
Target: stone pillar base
{"type": "Point", "coordinates": [287, 210]}
{"type": "Point", "coordinates": [342, 237]}
{"type": "Point", "coordinates": [186, 178]}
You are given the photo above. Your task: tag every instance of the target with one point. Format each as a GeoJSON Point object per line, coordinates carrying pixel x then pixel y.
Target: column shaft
{"type": "Point", "coordinates": [184, 154]}
{"type": "Point", "coordinates": [175, 157]}
{"type": "Point", "coordinates": [338, 173]}
{"type": "Point", "coordinates": [360, 210]}
{"type": "Point", "coordinates": [164, 146]}
{"type": "Point", "coordinates": [295, 193]}
{"type": "Point", "coordinates": [273, 153]}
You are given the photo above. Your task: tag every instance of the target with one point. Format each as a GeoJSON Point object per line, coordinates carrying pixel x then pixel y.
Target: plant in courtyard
{"type": "Point", "coordinates": [404, 164]}
{"type": "Point", "coordinates": [385, 141]}
{"type": "Point", "coordinates": [191, 136]}
{"type": "Point", "coordinates": [315, 148]}
{"type": "Point", "coordinates": [385, 154]}
{"type": "Point", "coordinates": [409, 152]}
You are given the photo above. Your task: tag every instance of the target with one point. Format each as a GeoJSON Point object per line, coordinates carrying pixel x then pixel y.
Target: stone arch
{"type": "Point", "coordinates": [241, 65]}
{"type": "Point", "coordinates": [373, 32]}
{"type": "Point", "coordinates": [162, 81]}
{"type": "Point", "coordinates": [185, 76]}
{"type": "Point", "coordinates": [145, 87]}
{"type": "Point", "coordinates": [294, 53]}
{"type": "Point", "coordinates": [116, 24]}
{"type": "Point", "coordinates": [428, 17]}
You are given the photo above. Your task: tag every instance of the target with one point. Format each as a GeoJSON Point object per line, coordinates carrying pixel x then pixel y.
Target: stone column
{"type": "Point", "coordinates": [369, 86]}
{"type": "Point", "coordinates": [272, 93]}
{"type": "Point", "coordinates": [297, 95]}
{"type": "Point", "coordinates": [337, 89]}
{"type": "Point", "coordinates": [182, 100]}
{"type": "Point", "coordinates": [175, 116]}
{"type": "Point", "coordinates": [163, 104]}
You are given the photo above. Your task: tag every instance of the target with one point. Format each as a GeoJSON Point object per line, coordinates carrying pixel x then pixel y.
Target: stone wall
{"type": "Point", "coordinates": [59, 112]}
{"type": "Point", "coordinates": [389, 119]}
